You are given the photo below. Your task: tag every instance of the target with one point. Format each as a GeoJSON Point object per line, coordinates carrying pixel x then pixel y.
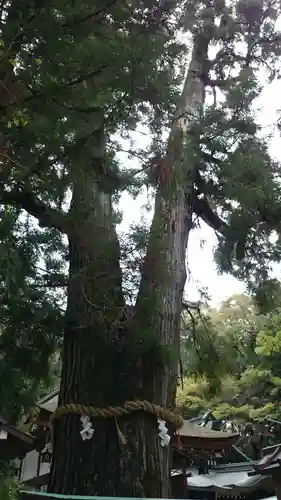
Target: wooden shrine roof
{"type": "Point", "coordinates": [195, 431]}
{"type": "Point", "coordinates": [50, 402]}
{"type": "Point", "coordinates": [13, 443]}
{"type": "Point", "coordinates": [236, 483]}
{"type": "Point", "coordinates": [270, 463]}
{"type": "Point", "coordinates": [192, 436]}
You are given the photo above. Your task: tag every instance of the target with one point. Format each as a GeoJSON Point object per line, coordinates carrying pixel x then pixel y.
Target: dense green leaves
{"type": "Point", "coordinates": [248, 347]}
{"type": "Point", "coordinates": [30, 318]}
{"type": "Point", "coordinates": [9, 487]}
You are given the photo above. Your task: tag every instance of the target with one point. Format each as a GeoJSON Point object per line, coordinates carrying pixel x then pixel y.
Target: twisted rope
{"type": "Point", "coordinates": [171, 416]}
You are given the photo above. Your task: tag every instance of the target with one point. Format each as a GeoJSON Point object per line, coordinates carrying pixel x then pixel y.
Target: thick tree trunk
{"type": "Point", "coordinates": [159, 302]}
{"type": "Point", "coordinates": [100, 367]}
{"type": "Point", "coordinates": [109, 358]}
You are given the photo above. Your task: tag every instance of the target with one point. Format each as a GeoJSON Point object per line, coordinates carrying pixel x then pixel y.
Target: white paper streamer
{"type": "Point", "coordinates": [163, 432]}
{"type": "Point", "coordinates": [87, 430]}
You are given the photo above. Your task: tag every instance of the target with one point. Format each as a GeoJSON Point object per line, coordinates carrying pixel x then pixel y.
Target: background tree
{"type": "Point", "coordinates": [247, 347]}
{"type": "Point", "coordinates": [227, 333]}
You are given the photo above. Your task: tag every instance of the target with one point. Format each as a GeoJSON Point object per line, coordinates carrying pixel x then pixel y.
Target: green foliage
{"type": "Point", "coordinates": [268, 295]}
{"type": "Point", "coordinates": [227, 333]}
{"type": "Point", "coordinates": [9, 487]}
{"type": "Point", "coordinates": [189, 396]}
{"type": "Point", "coordinates": [268, 344]}
{"type": "Point", "coordinates": [243, 181]}
{"type": "Point", "coordinates": [249, 348]}
{"type": "Point", "coordinates": [31, 323]}
{"type": "Point", "coordinates": [269, 339]}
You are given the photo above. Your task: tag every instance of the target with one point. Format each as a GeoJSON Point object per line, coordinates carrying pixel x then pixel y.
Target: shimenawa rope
{"type": "Point", "coordinates": [171, 416]}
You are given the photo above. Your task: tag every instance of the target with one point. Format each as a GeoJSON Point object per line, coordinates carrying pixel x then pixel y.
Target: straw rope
{"type": "Point", "coordinates": [171, 416]}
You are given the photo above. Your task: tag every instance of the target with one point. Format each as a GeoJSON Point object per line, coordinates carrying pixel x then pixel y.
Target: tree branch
{"type": "Point", "coordinates": [47, 216]}
{"type": "Point", "coordinates": [76, 20]}
{"type": "Point", "coordinates": [203, 210]}
{"type": "Point", "coordinates": [83, 78]}
{"type": "Point", "coordinates": [187, 304]}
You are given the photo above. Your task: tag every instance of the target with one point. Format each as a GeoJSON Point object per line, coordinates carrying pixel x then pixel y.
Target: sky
{"type": "Point", "coordinates": [202, 270]}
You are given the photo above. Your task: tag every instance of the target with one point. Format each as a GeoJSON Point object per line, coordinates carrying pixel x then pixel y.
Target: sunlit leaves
{"type": "Point", "coordinates": [269, 338]}
{"type": "Point", "coordinates": [249, 345]}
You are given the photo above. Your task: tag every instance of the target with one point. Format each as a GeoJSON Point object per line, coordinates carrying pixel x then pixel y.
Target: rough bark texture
{"type": "Point", "coordinates": [108, 359]}
{"type": "Point", "coordinates": [97, 369]}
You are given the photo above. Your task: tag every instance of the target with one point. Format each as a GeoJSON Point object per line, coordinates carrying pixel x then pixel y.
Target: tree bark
{"type": "Point", "coordinates": [100, 366]}
{"type": "Point", "coordinates": [108, 357]}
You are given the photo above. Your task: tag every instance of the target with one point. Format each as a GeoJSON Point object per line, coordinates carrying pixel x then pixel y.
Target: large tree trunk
{"type": "Point", "coordinates": [109, 358]}
{"type": "Point", "coordinates": [100, 366]}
